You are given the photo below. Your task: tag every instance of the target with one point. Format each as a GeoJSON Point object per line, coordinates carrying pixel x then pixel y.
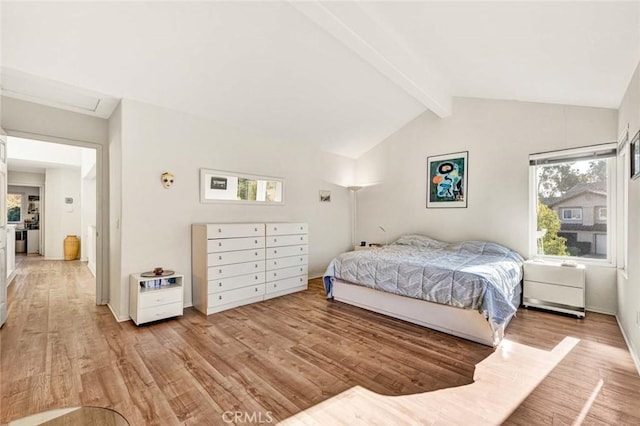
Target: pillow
{"type": "Point", "coordinates": [416, 240]}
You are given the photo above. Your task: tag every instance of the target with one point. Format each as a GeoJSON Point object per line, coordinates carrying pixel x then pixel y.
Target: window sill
{"type": "Point", "coordinates": [580, 260]}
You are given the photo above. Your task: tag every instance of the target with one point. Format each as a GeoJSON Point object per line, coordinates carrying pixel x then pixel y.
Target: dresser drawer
{"type": "Point", "coordinates": [159, 312]}
{"type": "Point", "coordinates": [222, 271]}
{"type": "Point", "coordinates": [280, 274]}
{"type": "Point", "coordinates": [236, 295]}
{"type": "Point", "coordinates": [231, 244]}
{"type": "Point", "coordinates": [555, 274]}
{"type": "Point", "coordinates": [564, 295]}
{"type": "Point", "coordinates": [227, 257]}
{"type": "Point", "coordinates": [225, 284]}
{"type": "Point", "coordinates": [286, 262]}
{"type": "Point", "coordinates": [287, 228]}
{"type": "Point", "coordinates": [286, 284]}
{"type": "Point", "coordinates": [275, 252]}
{"type": "Point", "coordinates": [235, 230]}
{"type": "Point", "coordinates": [159, 297]}
{"type": "Point", "coordinates": [287, 240]}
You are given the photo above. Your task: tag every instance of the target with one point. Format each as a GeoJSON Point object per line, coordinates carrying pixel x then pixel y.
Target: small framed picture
{"type": "Point", "coordinates": [325, 196]}
{"type": "Point", "coordinates": [218, 182]}
{"type": "Point", "coordinates": [634, 155]}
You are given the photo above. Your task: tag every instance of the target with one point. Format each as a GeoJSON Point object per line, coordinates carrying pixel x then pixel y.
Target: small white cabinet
{"type": "Point", "coordinates": [554, 287]}
{"type": "Point", "coordinates": [155, 298]}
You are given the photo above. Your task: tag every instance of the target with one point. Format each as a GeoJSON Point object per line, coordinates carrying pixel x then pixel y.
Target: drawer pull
{"type": "Point", "coordinates": [302, 259]}
{"type": "Point", "coordinates": [301, 238]}
{"type": "Point", "coordinates": [275, 285]}
{"type": "Point", "coordinates": [255, 229]}
{"type": "Point", "coordinates": [219, 271]}
{"type": "Point", "coordinates": [255, 241]}
{"type": "Point", "coordinates": [256, 265]}
{"type": "Point", "coordinates": [275, 274]}
{"type": "Point", "coordinates": [256, 277]}
{"type": "Point", "coordinates": [219, 229]}
{"type": "Point", "coordinates": [275, 228]}
{"type": "Point", "coordinates": [301, 269]}
{"type": "Point", "coordinates": [219, 257]}
{"type": "Point", "coordinates": [219, 244]}
{"type": "Point", "coordinates": [219, 284]}
{"type": "Point", "coordinates": [275, 262]}
{"type": "Point", "coordinates": [256, 288]}
{"type": "Point", "coordinates": [256, 253]}
{"type": "Point", "coordinates": [275, 252]}
{"type": "Point", "coordinates": [301, 249]}
{"type": "Point", "coordinates": [219, 297]}
{"type": "Point", "coordinates": [301, 228]}
{"type": "Point", "coordinates": [300, 279]}
{"type": "Point", "coordinates": [275, 240]}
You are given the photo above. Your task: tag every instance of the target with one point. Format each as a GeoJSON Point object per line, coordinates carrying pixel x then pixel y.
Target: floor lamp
{"type": "Point", "coordinates": [354, 204]}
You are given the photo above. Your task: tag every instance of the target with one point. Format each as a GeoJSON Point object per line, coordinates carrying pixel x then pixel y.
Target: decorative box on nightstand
{"type": "Point", "coordinates": [550, 285]}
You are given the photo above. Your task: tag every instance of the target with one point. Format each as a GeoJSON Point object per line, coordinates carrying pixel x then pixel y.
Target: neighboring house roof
{"type": "Point", "coordinates": [598, 227]}
{"type": "Point", "coordinates": [598, 188]}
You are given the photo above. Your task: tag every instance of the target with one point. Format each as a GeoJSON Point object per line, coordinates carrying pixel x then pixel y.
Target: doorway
{"type": "Point", "coordinates": [54, 187]}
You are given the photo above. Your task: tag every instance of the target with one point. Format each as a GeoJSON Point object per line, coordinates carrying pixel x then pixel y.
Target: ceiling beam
{"type": "Point", "coordinates": [353, 27]}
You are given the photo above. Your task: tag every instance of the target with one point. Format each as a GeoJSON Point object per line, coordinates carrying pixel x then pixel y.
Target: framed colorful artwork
{"type": "Point", "coordinates": [447, 180]}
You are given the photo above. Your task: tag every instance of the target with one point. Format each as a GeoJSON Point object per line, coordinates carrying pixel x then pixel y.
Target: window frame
{"type": "Point", "coordinates": [558, 156]}
{"type": "Point", "coordinates": [598, 215]}
{"type": "Point", "coordinates": [578, 209]}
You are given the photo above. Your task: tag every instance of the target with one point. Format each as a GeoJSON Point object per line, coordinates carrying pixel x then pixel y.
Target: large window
{"type": "Point", "coordinates": [572, 191]}
{"type": "Point", "coordinates": [14, 208]}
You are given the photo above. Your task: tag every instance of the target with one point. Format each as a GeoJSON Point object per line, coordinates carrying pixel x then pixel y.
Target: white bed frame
{"type": "Point", "coordinates": [466, 323]}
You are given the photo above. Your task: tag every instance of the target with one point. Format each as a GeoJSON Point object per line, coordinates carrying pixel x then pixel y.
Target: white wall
{"type": "Point", "coordinates": [61, 219]}
{"type": "Point", "coordinates": [117, 302]}
{"type": "Point", "coordinates": [33, 150]}
{"type": "Point", "coordinates": [156, 222]}
{"type": "Point", "coordinates": [26, 179]}
{"type": "Point", "coordinates": [629, 285]}
{"type": "Point", "coordinates": [499, 136]}
{"type": "Point", "coordinates": [87, 197]}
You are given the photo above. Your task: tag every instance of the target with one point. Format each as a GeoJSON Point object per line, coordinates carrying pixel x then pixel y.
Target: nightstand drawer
{"type": "Point", "coordinates": [555, 274]}
{"type": "Point", "coordinates": [560, 294]}
{"type": "Point", "coordinates": [160, 297]}
{"type": "Point", "coordinates": [159, 312]}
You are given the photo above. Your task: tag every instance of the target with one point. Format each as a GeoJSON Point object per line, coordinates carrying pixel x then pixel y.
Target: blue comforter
{"type": "Point", "coordinates": [472, 275]}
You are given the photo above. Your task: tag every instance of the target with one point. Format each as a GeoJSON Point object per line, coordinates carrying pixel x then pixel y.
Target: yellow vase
{"type": "Point", "coordinates": [71, 247]}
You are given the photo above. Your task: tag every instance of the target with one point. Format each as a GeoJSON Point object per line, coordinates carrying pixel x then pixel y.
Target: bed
{"type": "Point", "coordinates": [469, 289]}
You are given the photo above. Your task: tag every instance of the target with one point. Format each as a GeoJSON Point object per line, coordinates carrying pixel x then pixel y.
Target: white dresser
{"type": "Point", "coordinates": [555, 287]}
{"type": "Point", "coordinates": [230, 263]}
{"type": "Point", "coordinates": [287, 258]}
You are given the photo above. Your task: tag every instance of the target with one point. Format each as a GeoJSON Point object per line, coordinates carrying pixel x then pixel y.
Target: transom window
{"type": "Point", "coordinates": [572, 214]}
{"type": "Point", "coordinates": [571, 193]}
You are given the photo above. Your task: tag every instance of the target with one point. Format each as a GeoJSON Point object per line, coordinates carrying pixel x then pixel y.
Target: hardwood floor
{"type": "Point", "coordinates": [269, 361]}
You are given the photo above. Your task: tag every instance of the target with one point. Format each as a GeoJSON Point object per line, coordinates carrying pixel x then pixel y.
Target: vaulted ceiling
{"type": "Point", "coordinates": [339, 75]}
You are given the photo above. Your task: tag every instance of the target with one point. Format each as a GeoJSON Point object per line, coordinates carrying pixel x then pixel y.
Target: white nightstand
{"type": "Point", "coordinates": [155, 298]}
{"type": "Point", "coordinates": [550, 285]}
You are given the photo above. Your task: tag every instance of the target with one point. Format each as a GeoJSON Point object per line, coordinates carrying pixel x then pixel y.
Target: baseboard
{"type": "Point", "coordinates": [634, 355]}
{"type": "Point", "coordinates": [599, 310]}
{"type": "Point", "coordinates": [116, 316]}
{"type": "Point", "coordinates": [312, 277]}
